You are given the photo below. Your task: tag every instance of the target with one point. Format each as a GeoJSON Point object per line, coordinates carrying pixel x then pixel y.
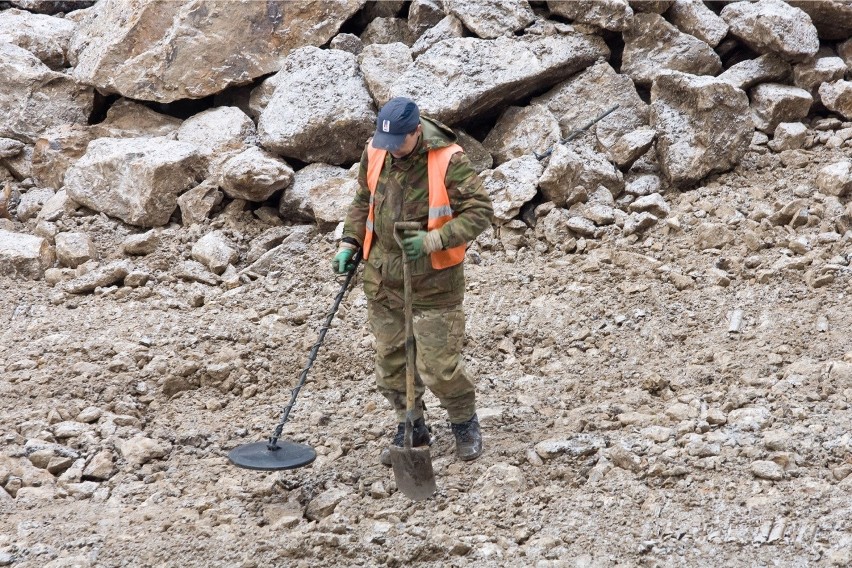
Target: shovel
{"type": "Point", "coordinates": [412, 467]}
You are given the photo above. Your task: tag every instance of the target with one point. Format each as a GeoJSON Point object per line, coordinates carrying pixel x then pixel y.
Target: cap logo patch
{"type": "Point", "coordinates": [386, 126]}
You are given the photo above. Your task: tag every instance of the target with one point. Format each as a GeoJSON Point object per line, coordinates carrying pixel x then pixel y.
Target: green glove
{"type": "Point", "coordinates": [412, 244]}
{"type": "Point", "coordinates": [342, 262]}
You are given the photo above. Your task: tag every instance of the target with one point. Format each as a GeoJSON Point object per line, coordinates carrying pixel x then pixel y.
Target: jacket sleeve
{"type": "Point", "coordinates": [469, 200]}
{"type": "Point", "coordinates": [355, 225]}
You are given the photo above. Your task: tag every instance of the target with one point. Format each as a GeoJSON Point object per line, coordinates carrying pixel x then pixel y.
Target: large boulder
{"type": "Point", "coordinates": [57, 149]}
{"type": "Point", "coordinates": [837, 97]}
{"type": "Point", "coordinates": [382, 64]}
{"type": "Point", "coordinates": [45, 37]}
{"type": "Point", "coordinates": [217, 129]}
{"type": "Point", "coordinates": [448, 28]}
{"type": "Point", "coordinates": [764, 69]}
{"type": "Point", "coordinates": [773, 26]}
{"type": "Point", "coordinates": [613, 15]}
{"type": "Point", "coordinates": [832, 18]}
{"type": "Point", "coordinates": [578, 100]}
{"type": "Point", "coordinates": [693, 17]}
{"type": "Point", "coordinates": [165, 51]}
{"type": "Point", "coordinates": [522, 130]}
{"type": "Point", "coordinates": [574, 171]}
{"type": "Point", "coordinates": [35, 99]}
{"type": "Point", "coordinates": [321, 110]}
{"type": "Point", "coordinates": [459, 79]}
{"type": "Point", "coordinates": [137, 180]}
{"type": "Point", "coordinates": [511, 185]}
{"type": "Point", "coordinates": [489, 19]}
{"type": "Point", "coordinates": [321, 193]}
{"type": "Point", "coordinates": [24, 256]}
{"type": "Point", "coordinates": [652, 46]}
{"type": "Point", "coordinates": [254, 175]}
{"type": "Point", "coordinates": [812, 73]}
{"type": "Point", "coordinates": [772, 104]}
{"type": "Point", "coordinates": [703, 126]}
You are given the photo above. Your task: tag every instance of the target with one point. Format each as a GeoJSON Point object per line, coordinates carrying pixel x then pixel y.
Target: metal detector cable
{"type": "Point", "coordinates": [273, 440]}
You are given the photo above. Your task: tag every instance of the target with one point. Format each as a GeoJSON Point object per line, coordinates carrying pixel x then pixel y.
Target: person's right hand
{"type": "Point", "coordinates": [342, 262]}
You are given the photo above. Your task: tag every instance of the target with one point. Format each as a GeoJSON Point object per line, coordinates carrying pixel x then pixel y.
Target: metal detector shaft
{"type": "Point", "coordinates": [575, 133]}
{"type": "Point", "coordinates": [273, 440]}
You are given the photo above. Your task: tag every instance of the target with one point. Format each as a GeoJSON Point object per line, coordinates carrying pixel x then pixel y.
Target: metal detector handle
{"type": "Point", "coordinates": [273, 440]}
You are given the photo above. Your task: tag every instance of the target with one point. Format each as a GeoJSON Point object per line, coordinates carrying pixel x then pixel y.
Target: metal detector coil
{"type": "Point", "coordinates": [274, 454]}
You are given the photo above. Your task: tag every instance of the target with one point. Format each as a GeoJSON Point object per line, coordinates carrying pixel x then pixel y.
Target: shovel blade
{"type": "Point", "coordinates": [412, 468]}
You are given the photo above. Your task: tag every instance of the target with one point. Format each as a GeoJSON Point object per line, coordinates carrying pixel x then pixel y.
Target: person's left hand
{"type": "Point", "coordinates": [412, 244]}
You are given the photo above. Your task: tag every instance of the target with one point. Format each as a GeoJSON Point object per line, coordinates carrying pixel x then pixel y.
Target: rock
{"type": "Point", "coordinates": [624, 458]}
{"type": "Point", "coordinates": [769, 68]}
{"type": "Point", "coordinates": [386, 30]}
{"type": "Point", "coordinates": [448, 28]}
{"type": "Point", "coordinates": [490, 20]}
{"type": "Point", "coordinates": [141, 244]}
{"type": "Point", "coordinates": [638, 222]}
{"type": "Point", "coordinates": [140, 450]}
{"type": "Point", "coordinates": [712, 235]}
{"type": "Point", "coordinates": [135, 179]}
{"type": "Point", "coordinates": [835, 179]}
{"type": "Point", "coordinates": [773, 26]}
{"type": "Point", "coordinates": [424, 14]}
{"type": "Point", "coordinates": [382, 65]}
{"type": "Point", "coordinates": [644, 184]}
{"type": "Point", "coordinates": [217, 129]}
{"type": "Point", "coordinates": [789, 136]}
{"type": "Point", "coordinates": [833, 19]}
{"type": "Point", "coordinates": [99, 277]}
{"type": "Point", "coordinates": [750, 418]}
{"type": "Point", "coordinates": [196, 272]}
{"type": "Point", "coordinates": [32, 202]}
{"type": "Point", "coordinates": [810, 74]}
{"type": "Point", "coordinates": [500, 481]}
{"type": "Point", "coordinates": [512, 184]}
{"type": "Point", "coordinates": [576, 446]}
{"type": "Point", "coordinates": [197, 203]}
{"type": "Point", "coordinates": [693, 17]}
{"type": "Point", "coordinates": [45, 37]}
{"type": "Point", "coordinates": [581, 226]}
{"type": "Point", "coordinates": [631, 147]}
{"type": "Point", "coordinates": [653, 46]}
{"type": "Point", "coordinates": [101, 466]}
{"type": "Point", "coordinates": [772, 104]}
{"type": "Point", "coordinates": [321, 193]}
{"type": "Point", "coordinates": [55, 207]}
{"type": "Point", "coordinates": [837, 97]}
{"type": "Point", "coordinates": [10, 148]}
{"type": "Point", "coordinates": [214, 251]}
{"type": "Point", "coordinates": [73, 249]}
{"type": "Point", "coordinates": [160, 62]}
{"type": "Point", "coordinates": [553, 227]}
{"type": "Point", "coordinates": [347, 42]}
{"type": "Point", "coordinates": [590, 93]}
{"type": "Point", "coordinates": [324, 504]}
{"type": "Point", "coordinates": [479, 157]}
{"type": "Point", "coordinates": [613, 15]}
{"type": "Point", "coordinates": [69, 429]}
{"type": "Point", "coordinates": [35, 99]}
{"type": "Point", "coordinates": [320, 110]}
{"type": "Point", "coordinates": [520, 131]}
{"type": "Point", "coordinates": [443, 84]}
{"type": "Point", "coordinates": [702, 126]}
{"type": "Point", "coordinates": [653, 204]}
{"type": "Point", "coordinates": [572, 168]}
{"type": "Point", "coordinates": [89, 415]}
{"type": "Point", "coordinates": [24, 256]}
{"type": "Point", "coordinates": [254, 175]}
{"type": "Point", "coordinates": [770, 470]}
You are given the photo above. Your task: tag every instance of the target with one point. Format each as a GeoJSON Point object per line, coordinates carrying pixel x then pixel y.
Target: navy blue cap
{"type": "Point", "coordinates": [399, 117]}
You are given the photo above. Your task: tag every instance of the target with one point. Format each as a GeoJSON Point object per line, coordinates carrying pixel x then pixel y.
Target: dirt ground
{"type": "Point", "coordinates": [644, 402]}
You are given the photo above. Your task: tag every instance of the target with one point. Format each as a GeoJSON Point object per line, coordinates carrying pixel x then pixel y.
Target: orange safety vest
{"type": "Point", "coordinates": [440, 212]}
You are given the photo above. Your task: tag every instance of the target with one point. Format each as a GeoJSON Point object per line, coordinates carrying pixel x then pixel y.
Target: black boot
{"type": "Point", "coordinates": [420, 436]}
{"type": "Point", "coordinates": [468, 439]}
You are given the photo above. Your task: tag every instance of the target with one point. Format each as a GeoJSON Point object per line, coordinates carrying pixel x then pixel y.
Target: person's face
{"type": "Point", "coordinates": [409, 143]}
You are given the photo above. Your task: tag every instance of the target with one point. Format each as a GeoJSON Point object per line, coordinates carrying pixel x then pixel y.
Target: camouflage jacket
{"type": "Point", "coordinates": [402, 194]}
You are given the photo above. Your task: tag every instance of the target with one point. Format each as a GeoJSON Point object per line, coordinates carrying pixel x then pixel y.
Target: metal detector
{"type": "Point", "coordinates": [275, 454]}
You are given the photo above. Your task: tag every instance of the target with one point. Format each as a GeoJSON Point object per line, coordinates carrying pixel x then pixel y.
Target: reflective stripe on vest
{"type": "Point", "coordinates": [440, 212]}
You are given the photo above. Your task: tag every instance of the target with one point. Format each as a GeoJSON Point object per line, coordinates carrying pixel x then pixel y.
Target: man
{"type": "Point", "coordinates": [395, 184]}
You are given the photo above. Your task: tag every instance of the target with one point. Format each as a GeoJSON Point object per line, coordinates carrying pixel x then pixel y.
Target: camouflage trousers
{"type": "Point", "coordinates": [438, 340]}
